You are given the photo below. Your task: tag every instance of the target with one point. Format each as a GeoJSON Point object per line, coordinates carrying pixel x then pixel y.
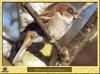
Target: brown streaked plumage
{"type": "Point", "coordinates": [58, 19]}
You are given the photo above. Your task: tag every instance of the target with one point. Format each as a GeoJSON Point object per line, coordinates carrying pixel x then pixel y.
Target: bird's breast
{"type": "Point", "coordinates": [56, 28]}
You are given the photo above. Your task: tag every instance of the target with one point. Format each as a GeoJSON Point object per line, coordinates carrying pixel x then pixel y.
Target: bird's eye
{"type": "Point", "coordinates": [73, 12]}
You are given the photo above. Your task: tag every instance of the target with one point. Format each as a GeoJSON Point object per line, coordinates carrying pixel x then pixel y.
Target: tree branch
{"type": "Point", "coordinates": [41, 24]}
{"type": "Point", "coordinates": [83, 36]}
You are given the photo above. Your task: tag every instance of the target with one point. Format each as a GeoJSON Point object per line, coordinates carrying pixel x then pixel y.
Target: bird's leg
{"type": "Point", "coordinates": [63, 53]}
{"type": "Point", "coordinates": [27, 42]}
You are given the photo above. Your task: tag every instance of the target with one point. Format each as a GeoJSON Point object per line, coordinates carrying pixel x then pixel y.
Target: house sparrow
{"type": "Point", "coordinates": [58, 19]}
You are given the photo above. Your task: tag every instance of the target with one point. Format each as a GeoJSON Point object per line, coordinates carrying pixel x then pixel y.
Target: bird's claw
{"type": "Point", "coordinates": [64, 55]}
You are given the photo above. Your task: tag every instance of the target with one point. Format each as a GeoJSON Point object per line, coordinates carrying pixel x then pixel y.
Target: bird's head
{"type": "Point", "coordinates": [69, 11]}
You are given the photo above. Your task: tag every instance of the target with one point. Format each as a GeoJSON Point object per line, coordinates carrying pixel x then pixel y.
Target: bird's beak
{"type": "Point", "coordinates": [77, 16]}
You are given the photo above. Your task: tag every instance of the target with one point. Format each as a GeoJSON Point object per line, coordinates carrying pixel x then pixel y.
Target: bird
{"type": "Point", "coordinates": [58, 19]}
